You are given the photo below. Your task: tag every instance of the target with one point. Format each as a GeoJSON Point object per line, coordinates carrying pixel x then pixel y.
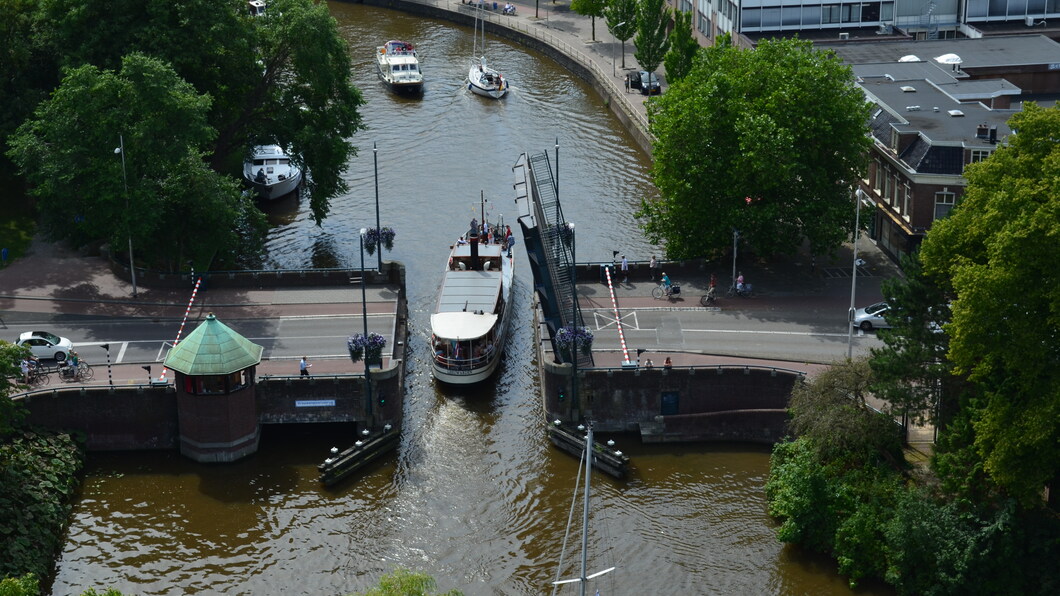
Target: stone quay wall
{"type": "Point", "coordinates": [685, 403]}
{"type": "Point", "coordinates": [144, 417]}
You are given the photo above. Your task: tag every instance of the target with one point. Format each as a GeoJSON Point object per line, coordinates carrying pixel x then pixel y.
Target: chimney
{"type": "Point", "coordinates": [993, 135]}
{"type": "Point", "coordinates": [472, 242]}
{"type": "Point", "coordinates": [981, 131]}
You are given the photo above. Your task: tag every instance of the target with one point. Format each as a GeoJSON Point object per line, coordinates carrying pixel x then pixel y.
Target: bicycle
{"type": "Point", "coordinates": [83, 372]}
{"type": "Point", "coordinates": [666, 292]}
{"type": "Point", "coordinates": [709, 299]}
{"type": "Point", "coordinates": [744, 292]}
{"type": "Point", "coordinates": [38, 376]}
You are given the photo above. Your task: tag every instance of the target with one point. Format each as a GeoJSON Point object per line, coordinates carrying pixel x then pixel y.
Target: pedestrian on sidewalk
{"type": "Point", "coordinates": [625, 269]}
{"type": "Point", "coordinates": [668, 364]}
{"type": "Point", "coordinates": [627, 83]}
{"type": "Point", "coordinates": [303, 367]}
{"type": "Point", "coordinates": [653, 266]}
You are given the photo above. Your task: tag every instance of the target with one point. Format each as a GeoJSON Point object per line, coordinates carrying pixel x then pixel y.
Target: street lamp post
{"type": "Point", "coordinates": [735, 236]}
{"type": "Point", "coordinates": [364, 317]}
{"type": "Point", "coordinates": [573, 316]}
{"type": "Point", "coordinates": [375, 157]}
{"type": "Point", "coordinates": [613, 41]}
{"type": "Point", "coordinates": [128, 229]}
{"type": "Point", "coordinates": [853, 274]}
{"type": "Point", "coordinates": [110, 376]}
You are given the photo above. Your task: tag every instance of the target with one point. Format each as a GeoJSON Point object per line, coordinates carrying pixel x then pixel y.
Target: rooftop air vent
{"type": "Point", "coordinates": [908, 89]}
{"type": "Point", "coordinates": [955, 113]}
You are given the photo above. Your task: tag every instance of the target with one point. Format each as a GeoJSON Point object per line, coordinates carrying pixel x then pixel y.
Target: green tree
{"type": "Point", "coordinates": [12, 413]}
{"type": "Point", "coordinates": [683, 48]}
{"type": "Point", "coordinates": [27, 71]}
{"type": "Point", "coordinates": [67, 153]}
{"type": "Point", "coordinates": [402, 582]}
{"type": "Point", "coordinates": [621, 18]}
{"type": "Point", "coordinates": [651, 40]}
{"type": "Point", "coordinates": [770, 141]}
{"type": "Point", "coordinates": [589, 8]}
{"type": "Point", "coordinates": [282, 78]}
{"type": "Point", "coordinates": [831, 410]}
{"type": "Point", "coordinates": [999, 248]}
{"type": "Point", "coordinates": [912, 371]}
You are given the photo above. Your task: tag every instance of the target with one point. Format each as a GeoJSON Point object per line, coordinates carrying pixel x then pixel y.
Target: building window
{"type": "Point", "coordinates": [887, 187]}
{"type": "Point", "coordinates": [976, 155]}
{"type": "Point", "coordinates": [897, 190]}
{"type": "Point", "coordinates": [895, 137]}
{"type": "Point", "coordinates": [878, 178]}
{"type": "Point", "coordinates": [831, 13]}
{"type": "Point", "coordinates": [686, 5]}
{"type": "Point", "coordinates": [907, 197]}
{"type": "Point", "coordinates": [944, 202]}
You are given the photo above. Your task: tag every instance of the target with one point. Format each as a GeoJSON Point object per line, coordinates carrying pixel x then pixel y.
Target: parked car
{"type": "Point", "coordinates": [649, 83]}
{"type": "Point", "coordinates": [646, 82]}
{"type": "Point", "coordinates": [46, 345]}
{"type": "Point", "coordinates": [872, 317]}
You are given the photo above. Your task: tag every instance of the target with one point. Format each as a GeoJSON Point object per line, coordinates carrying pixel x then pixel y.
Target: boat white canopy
{"type": "Point", "coordinates": [461, 325]}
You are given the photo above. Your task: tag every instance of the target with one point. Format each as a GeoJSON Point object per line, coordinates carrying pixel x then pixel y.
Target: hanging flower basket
{"type": "Point", "coordinates": [375, 237]}
{"type": "Point", "coordinates": [369, 348]}
{"type": "Point", "coordinates": [568, 339]}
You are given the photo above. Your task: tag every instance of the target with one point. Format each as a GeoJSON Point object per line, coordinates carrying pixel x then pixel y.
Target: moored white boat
{"type": "Point", "coordinates": [399, 66]}
{"type": "Point", "coordinates": [271, 172]}
{"type": "Point", "coordinates": [470, 324]}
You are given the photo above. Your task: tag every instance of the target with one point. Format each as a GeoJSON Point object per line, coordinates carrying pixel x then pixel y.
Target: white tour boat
{"type": "Point", "coordinates": [399, 67]}
{"type": "Point", "coordinates": [270, 171]}
{"type": "Point", "coordinates": [470, 323]}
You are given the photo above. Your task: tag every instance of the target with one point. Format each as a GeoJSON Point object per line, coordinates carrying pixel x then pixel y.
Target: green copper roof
{"type": "Point", "coordinates": [213, 349]}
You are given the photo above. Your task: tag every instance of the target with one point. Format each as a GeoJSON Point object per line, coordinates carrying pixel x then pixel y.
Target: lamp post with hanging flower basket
{"type": "Point", "coordinates": [366, 347]}
{"type": "Point", "coordinates": [568, 340]}
{"type": "Point", "coordinates": [379, 238]}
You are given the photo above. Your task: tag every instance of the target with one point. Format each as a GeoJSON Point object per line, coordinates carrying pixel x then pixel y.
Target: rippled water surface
{"type": "Point", "coordinates": [475, 496]}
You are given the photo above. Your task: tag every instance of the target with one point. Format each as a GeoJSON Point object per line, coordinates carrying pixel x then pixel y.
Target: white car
{"type": "Point", "coordinates": [871, 317]}
{"type": "Point", "coordinates": [46, 345]}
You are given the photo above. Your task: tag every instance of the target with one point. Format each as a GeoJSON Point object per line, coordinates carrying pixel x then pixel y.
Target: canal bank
{"type": "Point", "coordinates": [561, 34]}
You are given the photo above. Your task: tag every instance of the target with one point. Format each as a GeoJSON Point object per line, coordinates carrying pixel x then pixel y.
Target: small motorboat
{"type": "Point", "coordinates": [271, 172]}
{"type": "Point", "coordinates": [399, 66]}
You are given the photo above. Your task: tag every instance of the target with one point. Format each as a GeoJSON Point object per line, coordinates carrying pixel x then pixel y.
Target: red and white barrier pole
{"type": "Point", "coordinates": [187, 311]}
{"type": "Point", "coordinates": [618, 321]}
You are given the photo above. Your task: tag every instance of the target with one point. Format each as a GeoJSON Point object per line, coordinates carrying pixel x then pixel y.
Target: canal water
{"type": "Point", "coordinates": [475, 495]}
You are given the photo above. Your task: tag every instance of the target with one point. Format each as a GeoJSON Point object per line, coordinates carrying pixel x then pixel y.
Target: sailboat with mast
{"type": "Point", "coordinates": [584, 577]}
{"type": "Point", "coordinates": [481, 79]}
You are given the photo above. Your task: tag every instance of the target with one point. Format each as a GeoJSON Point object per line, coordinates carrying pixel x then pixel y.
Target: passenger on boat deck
{"type": "Point", "coordinates": [461, 241]}
{"type": "Point", "coordinates": [260, 178]}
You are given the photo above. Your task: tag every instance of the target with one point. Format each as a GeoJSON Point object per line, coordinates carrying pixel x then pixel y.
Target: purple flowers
{"type": "Point", "coordinates": [371, 346]}
{"type": "Point", "coordinates": [374, 237]}
{"type": "Point", "coordinates": [576, 337]}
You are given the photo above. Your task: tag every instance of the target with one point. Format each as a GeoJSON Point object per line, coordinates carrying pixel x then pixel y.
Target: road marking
{"type": "Point", "coordinates": [121, 352]}
{"type": "Point", "coordinates": [753, 332]}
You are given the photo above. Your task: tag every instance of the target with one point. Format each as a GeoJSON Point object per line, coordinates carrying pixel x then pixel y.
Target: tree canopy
{"type": "Point", "coordinates": [770, 141]}
{"type": "Point", "coordinates": [589, 8]}
{"type": "Point", "coordinates": [71, 154]}
{"type": "Point", "coordinates": [651, 40]}
{"type": "Point", "coordinates": [683, 48]}
{"type": "Point", "coordinates": [998, 249]}
{"type": "Point", "coordinates": [282, 78]}
{"type": "Point", "coordinates": [621, 18]}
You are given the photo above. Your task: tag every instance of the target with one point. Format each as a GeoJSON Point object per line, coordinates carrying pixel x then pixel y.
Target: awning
{"type": "Point", "coordinates": [461, 325]}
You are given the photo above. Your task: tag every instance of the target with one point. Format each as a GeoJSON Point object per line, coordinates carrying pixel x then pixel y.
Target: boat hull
{"type": "Point", "coordinates": [270, 173]}
{"type": "Point", "coordinates": [485, 81]}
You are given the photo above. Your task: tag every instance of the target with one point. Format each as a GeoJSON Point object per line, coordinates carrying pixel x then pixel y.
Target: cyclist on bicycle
{"type": "Point", "coordinates": [666, 284]}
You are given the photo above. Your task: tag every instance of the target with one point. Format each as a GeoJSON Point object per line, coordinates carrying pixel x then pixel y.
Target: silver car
{"type": "Point", "coordinates": [46, 345]}
{"type": "Point", "coordinates": [871, 317]}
